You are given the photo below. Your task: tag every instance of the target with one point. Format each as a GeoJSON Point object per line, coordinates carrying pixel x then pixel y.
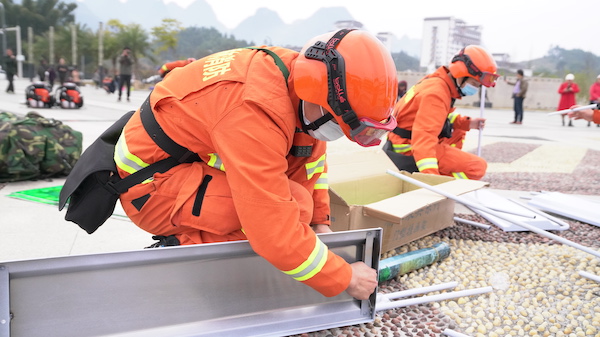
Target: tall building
{"type": "Point", "coordinates": [386, 38]}
{"type": "Point", "coordinates": [443, 37]}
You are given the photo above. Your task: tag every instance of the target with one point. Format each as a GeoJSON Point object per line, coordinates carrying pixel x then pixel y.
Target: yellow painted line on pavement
{"type": "Point", "coordinates": [544, 159]}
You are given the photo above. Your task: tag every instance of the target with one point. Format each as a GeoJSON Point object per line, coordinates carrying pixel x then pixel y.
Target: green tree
{"type": "Point", "coordinates": [199, 42]}
{"type": "Point", "coordinates": [118, 36]}
{"type": "Point", "coordinates": [166, 35]}
{"type": "Point", "coordinates": [38, 14]}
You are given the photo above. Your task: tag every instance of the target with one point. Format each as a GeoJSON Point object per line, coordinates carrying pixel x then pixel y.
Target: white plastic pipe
{"type": "Point", "coordinates": [432, 298]}
{"type": "Point", "coordinates": [452, 333]}
{"type": "Point", "coordinates": [512, 212]}
{"type": "Point", "coordinates": [472, 223]}
{"type": "Point", "coordinates": [421, 290]}
{"type": "Point", "coordinates": [585, 107]}
{"type": "Point", "coordinates": [497, 214]}
{"type": "Point", "coordinates": [481, 108]}
{"type": "Point", "coordinates": [558, 221]}
{"type": "Point", "coordinates": [590, 276]}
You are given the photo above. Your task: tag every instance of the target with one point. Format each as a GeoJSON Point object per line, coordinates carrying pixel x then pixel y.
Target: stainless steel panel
{"type": "Point", "coordinates": [212, 289]}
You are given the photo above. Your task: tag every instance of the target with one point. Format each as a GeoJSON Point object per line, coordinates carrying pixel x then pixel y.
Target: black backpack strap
{"type": "Point", "coordinates": [182, 154]}
{"type": "Point", "coordinates": [178, 154]}
{"type": "Point", "coordinates": [124, 184]}
{"type": "Point", "coordinates": [402, 132]}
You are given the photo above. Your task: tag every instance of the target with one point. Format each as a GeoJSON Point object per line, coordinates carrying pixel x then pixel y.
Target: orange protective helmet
{"type": "Point", "coordinates": [474, 61]}
{"type": "Point", "coordinates": [352, 75]}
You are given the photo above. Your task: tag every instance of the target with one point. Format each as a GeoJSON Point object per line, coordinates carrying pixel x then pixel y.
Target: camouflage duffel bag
{"type": "Point", "coordinates": [34, 147]}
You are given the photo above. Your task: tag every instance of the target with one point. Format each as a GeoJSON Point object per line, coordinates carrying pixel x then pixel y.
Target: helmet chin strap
{"type": "Point", "coordinates": [458, 87]}
{"type": "Point", "coordinates": [317, 123]}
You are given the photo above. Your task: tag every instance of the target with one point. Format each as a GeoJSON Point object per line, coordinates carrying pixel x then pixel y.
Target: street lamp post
{"type": "Point", "coordinates": [3, 29]}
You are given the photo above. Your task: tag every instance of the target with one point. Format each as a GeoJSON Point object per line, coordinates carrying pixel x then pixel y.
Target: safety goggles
{"type": "Point", "coordinates": [488, 79]}
{"type": "Point", "coordinates": [369, 132]}
{"type": "Point", "coordinates": [365, 131]}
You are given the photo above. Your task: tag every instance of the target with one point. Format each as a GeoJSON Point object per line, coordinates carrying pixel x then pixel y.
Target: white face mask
{"type": "Point", "coordinates": [327, 132]}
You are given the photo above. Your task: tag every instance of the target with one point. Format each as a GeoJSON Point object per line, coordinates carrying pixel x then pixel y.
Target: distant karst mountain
{"type": "Point", "coordinates": [264, 26]}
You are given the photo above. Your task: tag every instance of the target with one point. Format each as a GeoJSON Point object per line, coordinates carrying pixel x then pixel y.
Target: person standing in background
{"type": "Point", "coordinates": [42, 69]}
{"type": "Point", "coordinates": [402, 87]}
{"type": "Point", "coordinates": [567, 90]}
{"type": "Point", "coordinates": [595, 94]}
{"type": "Point", "coordinates": [10, 66]}
{"type": "Point", "coordinates": [63, 71]}
{"type": "Point", "coordinates": [518, 96]}
{"type": "Point", "coordinates": [125, 65]}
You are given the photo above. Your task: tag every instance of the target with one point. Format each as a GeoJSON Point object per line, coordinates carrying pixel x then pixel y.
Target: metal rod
{"type": "Point", "coordinates": [426, 299]}
{"type": "Point", "coordinates": [590, 276]}
{"type": "Point", "coordinates": [585, 107]}
{"type": "Point", "coordinates": [498, 214]}
{"type": "Point", "coordinates": [421, 290]}
{"type": "Point", "coordinates": [452, 333]}
{"type": "Point", "coordinates": [472, 223]}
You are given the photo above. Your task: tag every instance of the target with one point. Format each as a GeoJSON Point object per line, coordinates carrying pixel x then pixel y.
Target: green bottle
{"type": "Point", "coordinates": [407, 262]}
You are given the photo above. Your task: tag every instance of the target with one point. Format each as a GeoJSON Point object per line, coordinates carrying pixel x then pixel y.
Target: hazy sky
{"type": "Point", "coordinates": [525, 29]}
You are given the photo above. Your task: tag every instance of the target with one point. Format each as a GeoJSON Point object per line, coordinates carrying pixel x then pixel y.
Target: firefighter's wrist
{"type": "Point", "coordinates": [321, 228]}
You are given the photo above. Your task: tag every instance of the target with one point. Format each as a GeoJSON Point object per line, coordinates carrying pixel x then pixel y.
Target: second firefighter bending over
{"type": "Point", "coordinates": [430, 133]}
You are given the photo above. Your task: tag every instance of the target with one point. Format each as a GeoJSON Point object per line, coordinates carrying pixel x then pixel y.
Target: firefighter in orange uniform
{"type": "Point", "coordinates": [430, 134]}
{"type": "Point", "coordinates": [167, 67]}
{"type": "Point", "coordinates": [259, 119]}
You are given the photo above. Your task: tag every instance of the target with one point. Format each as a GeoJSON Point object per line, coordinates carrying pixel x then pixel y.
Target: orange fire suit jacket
{"type": "Point", "coordinates": [596, 117]}
{"type": "Point", "coordinates": [235, 111]}
{"type": "Point", "coordinates": [423, 110]}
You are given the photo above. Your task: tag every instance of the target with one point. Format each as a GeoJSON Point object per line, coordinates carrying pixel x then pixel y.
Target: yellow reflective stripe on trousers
{"type": "Point", "coordinates": [312, 265]}
{"type": "Point", "coordinates": [459, 175]}
{"type": "Point", "coordinates": [215, 162]}
{"type": "Point", "coordinates": [427, 163]}
{"type": "Point", "coordinates": [125, 160]}
{"type": "Point", "coordinates": [317, 166]}
{"type": "Point", "coordinates": [401, 148]}
{"type": "Point", "coordinates": [323, 182]}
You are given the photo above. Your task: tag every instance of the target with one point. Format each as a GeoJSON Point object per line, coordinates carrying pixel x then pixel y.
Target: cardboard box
{"type": "Point", "coordinates": [404, 211]}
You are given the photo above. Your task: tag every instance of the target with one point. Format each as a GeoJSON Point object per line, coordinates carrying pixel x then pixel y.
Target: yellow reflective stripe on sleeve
{"type": "Point", "coordinates": [125, 160]}
{"type": "Point", "coordinates": [409, 94]}
{"type": "Point", "coordinates": [323, 182]}
{"type": "Point", "coordinates": [459, 175]}
{"type": "Point", "coordinates": [317, 166]}
{"type": "Point", "coordinates": [215, 162]}
{"type": "Point", "coordinates": [401, 148]}
{"type": "Point", "coordinates": [312, 265]}
{"type": "Point", "coordinates": [164, 67]}
{"type": "Point", "coordinates": [452, 116]}
{"type": "Point", "coordinates": [427, 163]}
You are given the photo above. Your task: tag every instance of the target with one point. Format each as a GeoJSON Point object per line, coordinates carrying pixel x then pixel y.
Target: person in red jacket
{"type": "Point", "coordinates": [167, 67]}
{"type": "Point", "coordinates": [567, 90]}
{"type": "Point", "coordinates": [430, 133]}
{"type": "Point", "coordinates": [259, 119]}
{"type": "Point", "coordinates": [595, 95]}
